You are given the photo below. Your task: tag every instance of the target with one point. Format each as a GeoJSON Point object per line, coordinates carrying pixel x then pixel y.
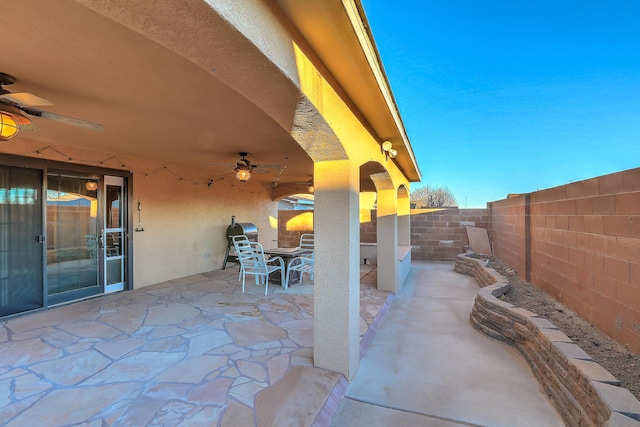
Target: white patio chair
{"type": "Point", "coordinates": [307, 241]}
{"type": "Point", "coordinates": [253, 261]}
{"type": "Point", "coordinates": [239, 238]}
{"type": "Point", "coordinates": [302, 264]}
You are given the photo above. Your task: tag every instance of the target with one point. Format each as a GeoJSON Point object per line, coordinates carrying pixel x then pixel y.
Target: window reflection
{"type": "Point", "coordinates": [18, 196]}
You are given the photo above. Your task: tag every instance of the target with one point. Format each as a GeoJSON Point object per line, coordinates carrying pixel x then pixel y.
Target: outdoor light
{"type": "Point", "coordinates": [91, 185]}
{"type": "Point", "coordinates": [309, 184]}
{"type": "Point", "coordinates": [243, 173]}
{"type": "Point", "coordinates": [8, 127]}
{"type": "Point", "coordinates": [389, 152]}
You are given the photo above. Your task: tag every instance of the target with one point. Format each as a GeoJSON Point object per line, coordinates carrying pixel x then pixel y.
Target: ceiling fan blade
{"type": "Point", "coordinates": [267, 166]}
{"type": "Point", "coordinates": [220, 165]}
{"type": "Point", "coordinates": [30, 127]}
{"type": "Point", "coordinates": [25, 99]}
{"type": "Point", "coordinates": [73, 121]}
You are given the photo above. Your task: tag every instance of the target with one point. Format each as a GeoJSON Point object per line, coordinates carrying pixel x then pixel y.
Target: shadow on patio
{"type": "Point", "coordinates": [187, 352]}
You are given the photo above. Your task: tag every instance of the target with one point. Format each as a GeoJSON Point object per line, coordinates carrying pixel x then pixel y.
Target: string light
{"type": "Point", "coordinates": [163, 169]}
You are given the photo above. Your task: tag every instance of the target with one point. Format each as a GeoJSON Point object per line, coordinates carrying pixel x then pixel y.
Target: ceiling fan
{"type": "Point", "coordinates": [15, 109]}
{"type": "Point", "coordinates": [309, 184]}
{"type": "Point", "coordinates": [244, 168]}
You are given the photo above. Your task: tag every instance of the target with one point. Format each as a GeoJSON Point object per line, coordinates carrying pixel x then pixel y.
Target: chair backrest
{"type": "Point", "coordinates": [250, 254]}
{"type": "Point", "coordinates": [239, 238]}
{"type": "Point", "coordinates": [307, 242]}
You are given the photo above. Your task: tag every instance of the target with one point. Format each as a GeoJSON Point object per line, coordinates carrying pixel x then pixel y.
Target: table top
{"type": "Point", "coordinates": [287, 251]}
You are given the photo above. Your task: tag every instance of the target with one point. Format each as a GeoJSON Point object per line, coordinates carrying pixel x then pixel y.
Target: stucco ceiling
{"type": "Point", "coordinates": [152, 102]}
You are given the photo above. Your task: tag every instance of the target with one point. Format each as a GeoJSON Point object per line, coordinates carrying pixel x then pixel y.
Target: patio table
{"type": "Point", "coordinates": [287, 254]}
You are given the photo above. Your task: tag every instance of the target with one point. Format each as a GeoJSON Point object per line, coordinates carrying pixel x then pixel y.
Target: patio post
{"type": "Point", "coordinates": [387, 237]}
{"type": "Point", "coordinates": [336, 331]}
{"type": "Point", "coordinates": [404, 217]}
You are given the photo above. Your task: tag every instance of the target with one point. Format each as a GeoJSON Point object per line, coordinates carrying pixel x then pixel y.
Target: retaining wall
{"type": "Point", "coordinates": [584, 393]}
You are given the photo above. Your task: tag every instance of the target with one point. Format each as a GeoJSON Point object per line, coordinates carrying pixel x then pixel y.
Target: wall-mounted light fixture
{"type": "Point", "coordinates": [8, 126]}
{"type": "Point", "coordinates": [139, 227]}
{"type": "Point", "coordinates": [389, 151]}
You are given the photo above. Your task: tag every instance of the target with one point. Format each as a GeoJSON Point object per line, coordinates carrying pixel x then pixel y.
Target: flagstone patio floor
{"type": "Point", "coordinates": [189, 352]}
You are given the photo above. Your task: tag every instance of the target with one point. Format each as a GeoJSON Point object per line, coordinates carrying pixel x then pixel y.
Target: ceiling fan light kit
{"type": "Point", "coordinates": [243, 168]}
{"type": "Point", "coordinates": [243, 173]}
{"type": "Point", "coordinates": [8, 126]}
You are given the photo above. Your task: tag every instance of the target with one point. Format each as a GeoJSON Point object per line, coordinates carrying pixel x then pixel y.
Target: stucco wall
{"type": "Point", "coordinates": [185, 224]}
{"type": "Point", "coordinates": [584, 248]}
{"type": "Point", "coordinates": [184, 219]}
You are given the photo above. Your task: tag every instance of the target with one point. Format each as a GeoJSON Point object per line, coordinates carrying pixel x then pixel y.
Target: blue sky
{"type": "Point", "coordinates": [502, 97]}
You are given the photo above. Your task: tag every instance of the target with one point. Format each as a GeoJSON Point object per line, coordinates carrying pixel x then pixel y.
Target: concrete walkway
{"type": "Point", "coordinates": [427, 366]}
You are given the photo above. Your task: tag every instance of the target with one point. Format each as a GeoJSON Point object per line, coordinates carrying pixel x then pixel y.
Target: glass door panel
{"type": "Point", "coordinates": [21, 240]}
{"type": "Point", "coordinates": [113, 233]}
{"type": "Point", "coordinates": [72, 238]}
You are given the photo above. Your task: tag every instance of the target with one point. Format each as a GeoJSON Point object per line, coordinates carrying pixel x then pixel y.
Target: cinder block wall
{"type": "Point", "coordinates": [291, 225]}
{"type": "Point", "coordinates": [369, 227]}
{"type": "Point", "coordinates": [584, 248]}
{"type": "Point", "coordinates": [508, 232]}
{"type": "Point", "coordinates": [442, 235]}
{"type": "Point", "coordinates": [438, 236]}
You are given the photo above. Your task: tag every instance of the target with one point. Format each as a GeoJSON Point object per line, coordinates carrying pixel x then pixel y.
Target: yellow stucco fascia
{"type": "Point", "coordinates": [358, 143]}
{"type": "Point", "coordinates": [371, 53]}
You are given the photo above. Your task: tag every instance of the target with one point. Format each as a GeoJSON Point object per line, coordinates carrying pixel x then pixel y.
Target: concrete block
{"type": "Point", "coordinates": [592, 371]}
{"type": "Point", "coordinates": [522, 313]}
{"type": "Point", "coordinates": [618, 399]}
{"type": "Point", "coordinates": [620, 420]}
{"type": "Point", "coordinates": [553, 335]}
{"type": "Point", "coordinates": [541, 323]}
{"type": "Point", "coordinates": [570, 351]}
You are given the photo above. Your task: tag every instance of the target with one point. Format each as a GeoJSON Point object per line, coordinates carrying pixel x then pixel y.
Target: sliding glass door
{"type": "Point", "coordinates": [21, 240]}
{"type": "Point", "coordinates": [72, 237]}
{"type": "Point", "coordinates": [63, 236]}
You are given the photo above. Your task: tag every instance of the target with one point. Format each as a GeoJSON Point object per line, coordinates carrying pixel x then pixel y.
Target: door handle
{"type": "Point", "coordinates": [40, 238]}
{"type": "Point", "coordinates": [100, 243]}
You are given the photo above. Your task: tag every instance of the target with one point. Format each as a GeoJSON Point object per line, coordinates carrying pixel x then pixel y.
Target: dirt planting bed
{"type": "Point", "coordinates": [614, 357]}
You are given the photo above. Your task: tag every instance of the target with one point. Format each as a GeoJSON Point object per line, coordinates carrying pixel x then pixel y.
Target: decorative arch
{"type": "Point", "coordinates": [404, 200]}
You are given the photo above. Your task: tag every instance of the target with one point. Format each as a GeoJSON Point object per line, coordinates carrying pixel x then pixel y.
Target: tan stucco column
{"type": "Point", "coordinates": [404, 219]}
{"type": "Point", "coordinates": [337, 270]}
{"type": "Point", "coordinates": [387, 239]}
